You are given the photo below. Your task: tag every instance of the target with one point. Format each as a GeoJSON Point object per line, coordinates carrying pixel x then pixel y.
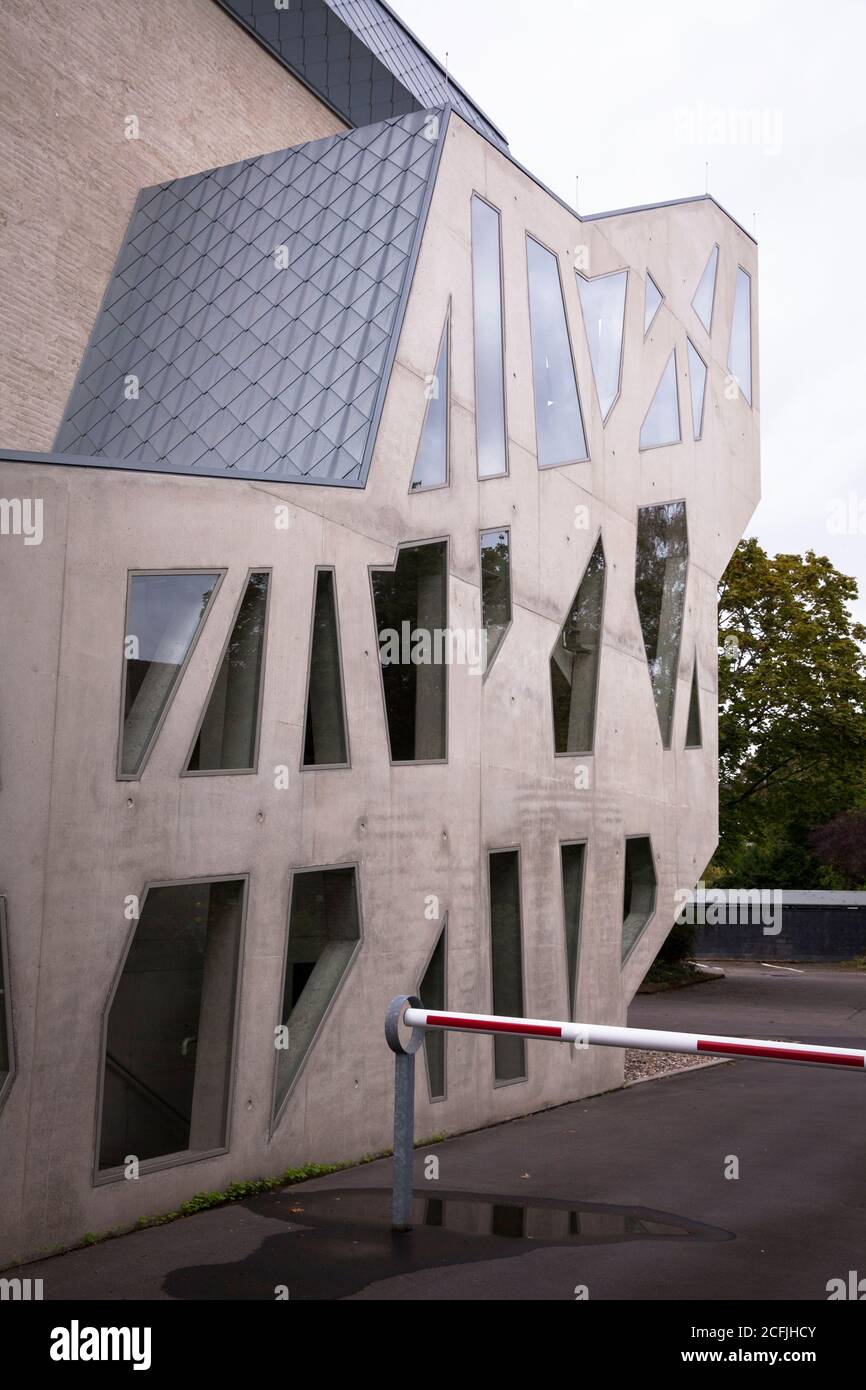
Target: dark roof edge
{"type": "Point", "coordinates": [126, 465]}
{"type": "Point", "coordinates": [449, 80]}
{"type": "Point", "coordinates": [296, 73]}
{"type": "Point", "coordinates": [617, 212]}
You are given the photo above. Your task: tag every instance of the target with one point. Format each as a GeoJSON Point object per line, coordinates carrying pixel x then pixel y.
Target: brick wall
{"type": "Point", "coordinates": [204, 93]}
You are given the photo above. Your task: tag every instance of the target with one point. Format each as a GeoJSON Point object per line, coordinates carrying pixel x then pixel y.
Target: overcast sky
{"type": "Point", "coordinates": [634, 98]}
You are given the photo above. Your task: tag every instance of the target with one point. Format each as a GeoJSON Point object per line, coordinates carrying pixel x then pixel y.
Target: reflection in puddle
{"type": "Point", "coordinates": [548, 1222]}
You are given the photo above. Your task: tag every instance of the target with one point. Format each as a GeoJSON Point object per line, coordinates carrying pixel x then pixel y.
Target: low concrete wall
{"type": "Point", "coordinates": [818, 931]}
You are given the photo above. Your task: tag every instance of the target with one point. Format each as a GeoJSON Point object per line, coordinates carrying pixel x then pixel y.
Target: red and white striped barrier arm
{"type": "Point", "coordinates": [656, 1040]}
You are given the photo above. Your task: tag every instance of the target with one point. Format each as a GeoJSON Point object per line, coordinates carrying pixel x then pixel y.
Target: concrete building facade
{"type": "Point", "coordinates": [350, 377]}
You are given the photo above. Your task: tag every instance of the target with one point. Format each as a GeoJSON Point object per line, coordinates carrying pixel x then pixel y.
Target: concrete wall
{"type": "Point", "coordinates": [204, 94]}
{"type": "Point", "coordinates": [77, 842]}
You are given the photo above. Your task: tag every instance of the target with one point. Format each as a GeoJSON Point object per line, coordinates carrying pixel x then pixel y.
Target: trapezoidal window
{"type": "Point", "coordinates": [490, 432]}
{"type": "Point", "coordinates": [324, 932]}
{"type": "Point", "coordinates": [164, 616]}
{"type": "Point", "coordinates": [228, 736]}
{"type": "Point", "coordinates": [326, 743]}
{"type": "Point", "coordinates": [694, 737]}
{"type": "Point", "coordinates": [170, 1028]}
{"type": "Point", "coordinates": [639, 895]}
{"type": "Point", "coordinates": [603, 302]}
{"type": "Point", "coordinates": [431, 460]}
{"type": "Point", "coordinates": [495, 589]}
{"type": "Point", "coordinates": [705, 294]}
{"type": "Point", "coordinates": [509, 1053]}
{"type": "Point", "coordinates": [697, 387]}
{"type": "Point", "coordinates": [573, 863]}
{"type": "Point", "coordinates": [558, 420]}
{"type": "Point", "coordinates": [7, 1051]}
{"type": "Point", "coordinates": [740, 350]}
{"type": "Point", "coordinates": [662, 421]}
{"type": "Point", "coordinates": [653, 299]}
{"type": "Point", "coordinates": [574, 662]}
{"type": "Point", "coordinates": [411, 608]}
{"type": "Point", "coordinates": [661, 569]}
{"type": "Point", "coordinates": [432, 993]}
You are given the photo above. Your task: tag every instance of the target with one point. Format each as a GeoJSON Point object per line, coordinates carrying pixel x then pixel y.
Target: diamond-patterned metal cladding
{"type": "Point", "coordinates": [258, 306]}
{"type": "Point", "coordinates": [359, 57]}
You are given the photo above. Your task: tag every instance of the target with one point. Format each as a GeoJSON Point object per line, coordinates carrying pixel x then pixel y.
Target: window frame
{"type": "Point", "coordinates": [489, 477]}
{"type": "Point", "coordinates": [441, 935]}
{"type": "Point", "coordinates": [566, 844]}
{"type": "Point", "coordinates": [7, 1082]}
{"type": "Point", "coordinates": [187, 771]}
{"type": "Point", "coordinates": [437, 487]}
{"type": "Point", "coordinates": [103, 1177]}
{"type": "Point", "coordinates": [485, 531]}
{"type": "Point", "coordinates": [489, 852]}
{"type": "Point", "coordinates": [590, 279]}
{"type": "Point", "coordinates": [325, 767]}
{"type": "Point", "coordinates": [220, 571]}
{"type": "Point", "coordinates": [586, 752]}
{"type": "Point", "coordinates": [624, 959]}
{"type": "Point", "coordinates": [566, 463]}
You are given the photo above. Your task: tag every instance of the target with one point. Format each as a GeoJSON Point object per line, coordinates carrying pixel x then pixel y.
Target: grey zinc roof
{"type": "Point", "coordinates": [359, 57]}
{"type": "Point", "coordinates": [244, 365]}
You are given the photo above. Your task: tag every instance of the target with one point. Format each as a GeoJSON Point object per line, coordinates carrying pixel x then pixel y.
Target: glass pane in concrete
{"type": "Point", "coordinates": [558, 421]}
{"type": "Point", "coordinates": [573, 860]}
{"type": "Point", "coordinates": [325, 741]}
{"type": "Point", "coordinates": [694, 738]}
{"type": "Point", "coordinates": [6, 1051]}
{"type": "Point", "coordinates": [324, 931]}
{"type": "Point", "coordinates": [411, 605]}
{"type": "Point", "coordinates": [168, 1047]}
{"type": "Point", "coordinates": [697, 387]}
{"type": "Point", "coordinates": [489, 351]}
{"type": "Point", "coordinates": [431, 461]}
{"type": "Point", "coordinates": [495, 588]}
{"type": "Point", "coordinates": [639, 898]}
{"type": "Point", "coordinates": [652, 303]}
{"type": "Point", "coordinates": [509, 1054]}
{"type": "Point", "coordinates": [661, 569]}
{"type": "Point", "coordinates": [432, 995]}
{"type": "Point", "coordinates": [662, 422]}
{"type": "Point", "coordinates": [603, 303]}
{"type": "Point", "coordinates": [740, 351]}
{"type": "Point", "coordinates": [165, 613]}
{"type": "Point", "coordinates": [575, 660]}
{"type": "Point", "coordinates": [705, 294]}
{"type": "Point", "coordinates": [228, 738]}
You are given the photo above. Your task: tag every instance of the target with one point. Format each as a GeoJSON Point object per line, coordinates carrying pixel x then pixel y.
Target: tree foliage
{"type": "Point", "coordinates": [792, 715]}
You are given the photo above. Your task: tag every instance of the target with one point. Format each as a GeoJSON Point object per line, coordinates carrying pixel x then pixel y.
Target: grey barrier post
{"type": "Point", "coordinates": [404, 1107]}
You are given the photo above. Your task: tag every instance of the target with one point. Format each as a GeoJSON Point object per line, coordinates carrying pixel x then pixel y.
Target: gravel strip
{"type": "Point", "coordinates": [642, 1066]}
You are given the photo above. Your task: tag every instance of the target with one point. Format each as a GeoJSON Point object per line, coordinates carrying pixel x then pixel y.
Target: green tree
{"type": "Point", "coordinates": [792, 715]}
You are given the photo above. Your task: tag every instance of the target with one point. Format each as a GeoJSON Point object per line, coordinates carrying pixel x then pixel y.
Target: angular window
{"type": "Point", "coordinates": [228, 736]}
{"type": "Point", "coordinates": [325, 741]}
{"type": "Point", "coordinates": [164, 616]}
{"type": "Point", "coordinates": [495, 589]}
{"type": "Point", "coordinates": [558, 421]}
{"type": "Point", "coordinates": [661, 567]}
{"type": "Point", "coordinates": [740, 351]}
{"type": "Point", "coordinates": [432, 993]}
{"type": "Point", "coordinates": [574, 662]}
{"type": "Point", "coordinates": [169, 1035]}
{"type": "Point", "coordinates": [431, 461]}
{"type": "Point", "coordinates": [697, 387]}
{"type": "Point", "coordinates": [490, 433]}
{"type": "Point", "coordinates": [705, 295]}
{"type": "Point", "coordinates": [509, 1053]}
{"type": "Point", "coordinates": [324, 933]}
{"type": "Point", "coordinates": [639, 897]}
{"type": "Point", "coordinates": [603, 303]}
{"type": "Point", "coordinates": [694, 737]}
{"type": "Point", "coordinates": [411, 607]}
{"type": "Point", "coordinates": [652, 303]}
{"type": "Point", "coordinates": [662, 422]}
{"type": "Point", "coordinates": [7, 1051]}
{"type": "Point", "coordinates": [573, 862]}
